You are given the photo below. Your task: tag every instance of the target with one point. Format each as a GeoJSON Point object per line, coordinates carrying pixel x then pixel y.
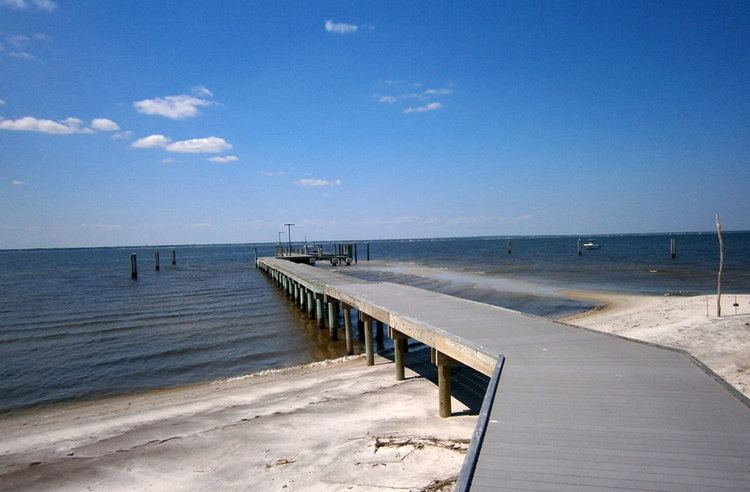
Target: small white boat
{"type": "Point", "coordinates": [591, 244]}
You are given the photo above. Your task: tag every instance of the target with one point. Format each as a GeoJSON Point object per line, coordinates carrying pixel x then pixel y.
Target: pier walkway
{"type": "Point", "coordinates": [566, 408]}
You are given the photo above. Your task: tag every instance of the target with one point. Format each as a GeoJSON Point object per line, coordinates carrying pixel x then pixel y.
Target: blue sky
{"type": "Point", "coordinates": [135, 122]}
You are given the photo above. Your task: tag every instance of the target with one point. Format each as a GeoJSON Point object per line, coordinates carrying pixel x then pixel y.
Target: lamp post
{"type": "Point", "coordinates": [289, 236]}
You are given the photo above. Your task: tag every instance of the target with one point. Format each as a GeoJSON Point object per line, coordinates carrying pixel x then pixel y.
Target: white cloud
{"type": "Point", "coordinates": [167, 160]}
{"type": "Point", "coordinates": [176, 107]}
{"type": "Point", "coordinates": [433, 106]}
{"type": "Point", "coordinates": [2, 103]}
{"type": "Point", "coordinates": [16, 182]}
{"type": "Point", "coordinates": [208, 145]}
{"type": "Point", "coordinates": [68, 126]}
{"type": "Point", "coordinates": [424, 95]}
{"type": "Point", "coordinates": [47, 5]}
{"type": "Point", "coordinates": [31, 124]}
{"type": "Point", "coordinates": [124, 135]}
{"type": "Point", "coordinates": [318, 182]}
{"type": "Point", "coordinates": [340, 27]}
{"type": "Point", "coordinates": [224, 158]}
{"type": "Point", "coordinates": [151, 141]}
{"type": "Point", "coordinates": [200, 145]}
{"type": "Point", "coordinates": [437, 92]}
{"type": "Point", "coordinates": [104, 125]}
{"type": "Point", "coordinates": [272, 173]}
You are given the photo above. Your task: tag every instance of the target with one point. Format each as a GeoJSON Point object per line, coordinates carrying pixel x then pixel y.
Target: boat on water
{"type": "Point", "coordinates": [591, 244]}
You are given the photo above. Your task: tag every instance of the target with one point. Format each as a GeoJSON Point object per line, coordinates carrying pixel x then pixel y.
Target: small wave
{"type": "Point", "coordinates": [282, 370]}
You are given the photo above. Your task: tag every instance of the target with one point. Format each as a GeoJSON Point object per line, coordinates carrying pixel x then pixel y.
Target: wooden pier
{"type": "Point", "coordinates": [566, 407]}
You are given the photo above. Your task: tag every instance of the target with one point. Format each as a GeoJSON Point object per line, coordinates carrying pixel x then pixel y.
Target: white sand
{"type": "Point", "coordinates": [308, 428]}
{"type": "Point", "coordinates": [723, 344]}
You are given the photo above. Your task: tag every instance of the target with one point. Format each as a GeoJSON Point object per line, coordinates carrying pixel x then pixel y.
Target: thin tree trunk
{"type": "Point", "coordinates": [721, 266]}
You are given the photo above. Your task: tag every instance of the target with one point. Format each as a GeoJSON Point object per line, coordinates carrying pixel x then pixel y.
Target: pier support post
{"type": "Point", "coordinates": [133, 266]}
{"type": "Point", "coordinates": [156, 261]}
{"type": "Point", "coordinates": [360, 326]}
{"type": "Point", "coordinates": [310, 306]}
{"type": "Point", "coordinates": [673, 247]}
{"type": "Point", "coordinates": [174, 257]}
{"type": "Point", "coordinates": [319, 310]}
{"type": "Point", "coordinates": [444, 364]}
{"type": "Point", "coordinates": [333, 319]}
{"type": "Point", "coordinates": [399, 342]}
{"type": "Point", "coordinates": [368, 341]}
{"type": "Point", "coordinates": [579, 248]}
{"type": "Point", "coordinates": [348, 328]}
{"type": "Point", "coordinates": [302, 297]}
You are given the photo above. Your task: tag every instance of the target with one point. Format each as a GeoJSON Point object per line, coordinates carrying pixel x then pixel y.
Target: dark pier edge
{"type": "Point", "coordinates": [472, 456]}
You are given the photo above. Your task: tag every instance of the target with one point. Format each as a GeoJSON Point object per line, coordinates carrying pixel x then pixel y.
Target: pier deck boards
{"type": "Point", "coordinates": [574, 408]}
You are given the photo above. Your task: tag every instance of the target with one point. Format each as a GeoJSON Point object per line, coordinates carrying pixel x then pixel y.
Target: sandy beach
{"type": "Point", "coordinates": [335, 425]}
{"type": "Point", "coordinates": [687, 323]}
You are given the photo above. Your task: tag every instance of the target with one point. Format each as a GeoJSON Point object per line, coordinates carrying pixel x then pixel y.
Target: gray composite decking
{"type": "Point", "coordinates": [573, 409]}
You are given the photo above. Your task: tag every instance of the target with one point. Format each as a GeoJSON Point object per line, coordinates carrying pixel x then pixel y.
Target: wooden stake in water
{"type": "Point", "coordinates": [133, 266]}
{"type": "Point", "coordinates": [174, 257]}
{"type": "Point", "coordinates": [510, 247]}
{"type": "Point", "coordinates": [673, 247]}
{"type": "Point", "coordinates": [721, 267]}
{"type": "Point", "coordinates": [579, 247]}
{"type": "Point", "coordinates": [156, 261]}
{"type": "Point", "coordinates": [368, 251]}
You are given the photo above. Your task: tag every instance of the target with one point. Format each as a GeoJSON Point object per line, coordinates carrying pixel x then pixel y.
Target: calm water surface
{"type": "Point", "coordinates": [73, 325]}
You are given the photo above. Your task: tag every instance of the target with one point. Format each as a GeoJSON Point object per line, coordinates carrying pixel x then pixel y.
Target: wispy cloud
{"type": "Point", "coordinates": [16, 182]}
{"type": "Point", "coordinates": [176, 107]}
{"type": "Point", "coordinates": [167, 160]}
{"type": "Point", "coordinates": [2, 103]}
{"type": "Point", "coordinates": [45, 5]}
{"type": "Point", "coordinates": [68, 126]}
{"type": "Point", "coordinates": [207, 145]}
{"type": "Point", "coordinates": [424, 95]}
{"type": "Point", "coordinates": [21, 46]}
{"type": "Point", "coordinates": [222, 159]}
{"type": "Point", "coordinates": [318, 182]}
{"type": "Point", "coordinates": [433, 106]}
{"type": "Point", "coordinates": [124, 135]}
{"type": "Point", "coordinates": [340, 27]}
{"type": "Point", "coordinates": [272, 173]}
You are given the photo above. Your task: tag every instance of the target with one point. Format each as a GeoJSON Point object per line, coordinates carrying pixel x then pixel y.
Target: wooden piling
{"type": "Point", "coordinates": [444, 364]}
{"type": "Point", "coordinates": [360, 325]}
{"type": "Point", "coordinates": [319, 310]}
{"type": "Point", "coordinates": [368, 341]}
{"type": "Point", "coordinates": [510, 247]}
{"type": "Point", "coordinates": [368, 251]}
{"type": "Point", "coordinates": [333, 319]}
{"type": "Point", "coordinates": [133, 266]}
{"type": "Point", "coordinates": [156, 261]}
{"type": "Point", "coordinates": [174, 257]}
{"type": "Point", "coordinates": [310, 304]}
{"type": "Point", "coordinates": [399, 343]}
{"type": "Point", "coordinates": [673, 247]}
{"type": "Point", "coordinates": [355, 253]}
{"type": "Point", "coordinates": [348, 329]}
{"type": "Point", "coordinates": [579, 247]}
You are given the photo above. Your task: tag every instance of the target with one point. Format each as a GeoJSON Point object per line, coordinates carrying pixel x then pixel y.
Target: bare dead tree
{"type": "Point", "coordinates": [721, 267]}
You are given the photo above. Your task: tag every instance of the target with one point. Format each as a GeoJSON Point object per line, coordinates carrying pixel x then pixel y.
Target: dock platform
{"type": "Point", "coordinates": [566, 407]}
